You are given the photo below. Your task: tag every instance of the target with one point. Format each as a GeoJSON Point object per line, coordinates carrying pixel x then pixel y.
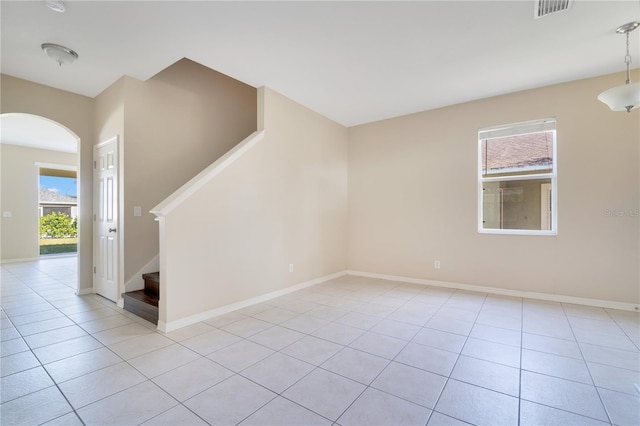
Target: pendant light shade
{"type": "Point", "coordinates": [627, 96]}
{"type": "Point", "coordinates": [622, 98]}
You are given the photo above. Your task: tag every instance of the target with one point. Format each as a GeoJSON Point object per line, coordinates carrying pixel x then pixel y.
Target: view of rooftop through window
{"type": "Point", "coordinates": [532, 152]}
{"type": "Point", "coordinates": [517, 178]}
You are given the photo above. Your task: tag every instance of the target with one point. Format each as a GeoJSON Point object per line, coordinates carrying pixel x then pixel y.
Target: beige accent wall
{"type": "Point", "coordinates": [76, 113]}
{"type": "Point", "coordinates": [413, 197]}
{"type": "Point", "coordinates": [283, 202]}
{"type": "Point", "coordinates": [20, 193]}
{"type": "Point", "coordinates": [109, 112]}
{"type": "Point", "coordinates": [171, 126]}
{"type": "Point", "coordinates": [412, 186]}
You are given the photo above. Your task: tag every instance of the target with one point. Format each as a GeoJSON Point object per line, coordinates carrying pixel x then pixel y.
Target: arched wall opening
{"type": "Point", "coordinates": [28, 144]}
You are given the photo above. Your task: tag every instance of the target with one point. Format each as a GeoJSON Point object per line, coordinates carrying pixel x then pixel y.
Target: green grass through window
{"type": "Point", "coordinates": [58, 245]}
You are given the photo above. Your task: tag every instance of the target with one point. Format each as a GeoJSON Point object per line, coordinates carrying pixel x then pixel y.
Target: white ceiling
{"type": "Point", "coordinates": [354, 62]}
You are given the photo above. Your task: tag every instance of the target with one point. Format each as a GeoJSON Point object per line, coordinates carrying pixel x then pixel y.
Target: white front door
{"type": "Point", "coordinates": [105, 209]}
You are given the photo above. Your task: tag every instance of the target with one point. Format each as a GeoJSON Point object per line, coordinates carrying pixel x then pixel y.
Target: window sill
{"type": "Point", "coordinates": [517, 232]}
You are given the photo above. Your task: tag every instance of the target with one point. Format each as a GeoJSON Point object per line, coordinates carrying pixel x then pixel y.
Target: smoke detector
{"type": "Point", "coordinates": [56, 5]}
{"type": "Point", "coordinates": [548, 7]}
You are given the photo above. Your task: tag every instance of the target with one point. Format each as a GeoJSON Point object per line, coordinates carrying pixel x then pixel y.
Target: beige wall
{"type": "Point", "coordinates": [109, 112]}
{"type": "Point", "coordinates": [76, 113]}
{"type": "Point", "coordinates": [282, 202]}
{"type": "Point", "coordinates": [411, 185]}
{"type": "Point", "coordinates": [171, 126]}
{"type": "Point", "coordinates": [413, 197]}
{"type": "Point", "coordinates": [20, 196]}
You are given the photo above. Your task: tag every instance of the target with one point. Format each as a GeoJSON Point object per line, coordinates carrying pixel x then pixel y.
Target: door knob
{"type": "Point", "coordinates": [112, 229]}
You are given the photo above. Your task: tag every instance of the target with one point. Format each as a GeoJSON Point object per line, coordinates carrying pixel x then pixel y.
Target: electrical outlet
{"type": "Point", "coordinates": [436, 264]}
{"type": "Point", "coordinates": [291, 267]}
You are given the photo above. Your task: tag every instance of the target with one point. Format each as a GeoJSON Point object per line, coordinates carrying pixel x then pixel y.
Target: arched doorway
{"type": "Point", "coordinates": [30, 144]}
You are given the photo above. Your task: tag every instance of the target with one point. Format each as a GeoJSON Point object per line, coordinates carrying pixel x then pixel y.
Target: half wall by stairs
{"type": "Point", "coordinates": [278, 198]}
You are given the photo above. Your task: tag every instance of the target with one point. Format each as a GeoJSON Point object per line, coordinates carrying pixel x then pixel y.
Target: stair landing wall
{"type": "Point", "coordinates": [283, 202]}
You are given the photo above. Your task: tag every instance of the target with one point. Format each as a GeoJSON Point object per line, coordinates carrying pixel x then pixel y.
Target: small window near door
{"type": "Point", "coordinates": [517, 178]}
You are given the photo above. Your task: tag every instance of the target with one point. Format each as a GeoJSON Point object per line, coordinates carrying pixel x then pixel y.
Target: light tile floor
{"type": "Point", "coordinates": [352, 351]}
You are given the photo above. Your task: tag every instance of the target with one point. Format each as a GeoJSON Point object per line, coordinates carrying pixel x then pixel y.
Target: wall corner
{"type": "Point", "coordinates": [260, 109]}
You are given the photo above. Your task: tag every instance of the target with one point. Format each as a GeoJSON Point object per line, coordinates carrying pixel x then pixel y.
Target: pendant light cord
{"type": "Point", "coordinates": [627, 60]}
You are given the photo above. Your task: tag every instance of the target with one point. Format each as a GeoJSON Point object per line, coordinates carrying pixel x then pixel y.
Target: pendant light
{"type": "Point", "coordinates": [627, 96]}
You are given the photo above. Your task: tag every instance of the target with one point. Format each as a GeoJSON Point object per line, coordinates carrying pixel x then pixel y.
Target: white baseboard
{"type": "Point", "coordinates": [84, 291]}
{"type": "Point", "coordinates": [25, 259]}
{"type": "Point", "coordinates": [506, 292]}
{"type": "Point", "coordinates": [183, 322]}
{"type": "Point", "coordinates": [136, 282]}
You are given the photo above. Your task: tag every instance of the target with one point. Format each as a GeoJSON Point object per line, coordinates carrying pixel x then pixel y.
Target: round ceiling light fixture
{"type": "Point", "coordinates": [60, 54]}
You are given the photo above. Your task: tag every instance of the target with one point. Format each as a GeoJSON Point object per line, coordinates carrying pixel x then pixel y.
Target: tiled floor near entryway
{"type": "Point", "coordinates": [350, 351]}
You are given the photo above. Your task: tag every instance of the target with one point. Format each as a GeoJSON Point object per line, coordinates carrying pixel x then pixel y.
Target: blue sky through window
{"type": "Point", "coordinates": [63, 185]}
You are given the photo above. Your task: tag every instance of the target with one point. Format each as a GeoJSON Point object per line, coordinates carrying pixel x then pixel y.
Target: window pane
{"type": "Point", "coordinates": [517, 204]}
{"type": "Point", "coordinates": [517, 155]}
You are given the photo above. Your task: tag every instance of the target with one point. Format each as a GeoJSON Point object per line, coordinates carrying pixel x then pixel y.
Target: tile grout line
{"type": "Point", "coordinates": [331, 372]}
{"type": "Point", "coordinates": [52, 380]}
{"type": "Point", "coordinates": [637, 346]}
{"type": "Point", "coordinates": [520, 369]}
{"type": "Point", "coordinates": [103, 346]}
{"type": "Point", "coordinates": [448, 377]}
{"type": "Point", "coordinates": [239, 372]}
{"type": "Point", "coordinates": [316, 367]}
{"type": "Point", "coordinates": [327, 297]}
{"type": "Point", "coordinates": [368, 385]}
{"type": "Point", "coordinates": [584, 360]}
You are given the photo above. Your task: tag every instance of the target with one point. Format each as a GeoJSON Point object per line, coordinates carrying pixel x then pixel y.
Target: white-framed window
{"type": "Point", "coordinates": [517, 169]}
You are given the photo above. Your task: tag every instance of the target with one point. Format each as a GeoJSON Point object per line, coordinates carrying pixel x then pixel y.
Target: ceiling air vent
{"type": "Point", "coordinates": [547, 7]}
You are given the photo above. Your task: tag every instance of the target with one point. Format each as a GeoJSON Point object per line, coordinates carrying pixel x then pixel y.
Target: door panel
{"type": "Point", "coordinates": [106, 230]}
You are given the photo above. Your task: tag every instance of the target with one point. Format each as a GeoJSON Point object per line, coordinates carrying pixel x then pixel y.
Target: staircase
{"type": "Point", "coordinates": [144, 303]}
